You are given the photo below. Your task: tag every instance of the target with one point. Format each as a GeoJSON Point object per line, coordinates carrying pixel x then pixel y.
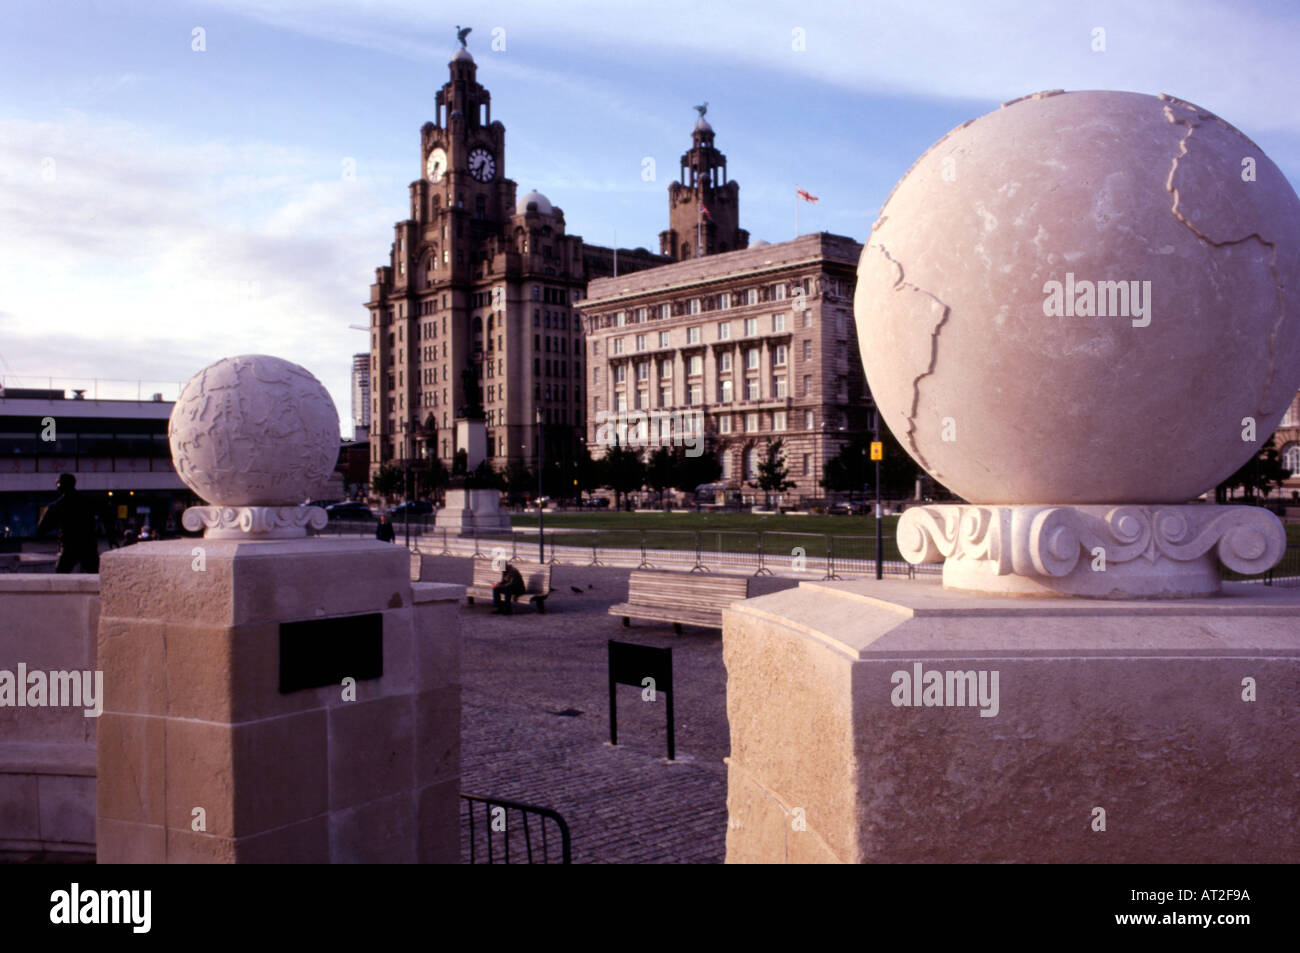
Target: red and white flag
{"type": "Point", "coordinates": [705, 212]}
{"type": "Point", "coordinates": [806, 196]}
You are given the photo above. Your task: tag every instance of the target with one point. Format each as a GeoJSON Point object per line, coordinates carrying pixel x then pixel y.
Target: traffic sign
{"type": "Point", "coordinates": [877, 450]}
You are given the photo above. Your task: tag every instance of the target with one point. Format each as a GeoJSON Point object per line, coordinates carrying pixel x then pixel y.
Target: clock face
{"type": "Point", "coordinates": [436, 167]}
{"type": "Point", "coordinates": [481, 165]}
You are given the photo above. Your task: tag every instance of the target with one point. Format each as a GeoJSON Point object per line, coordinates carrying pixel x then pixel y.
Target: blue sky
{"type": "Point", "coordinates": [161, 208]}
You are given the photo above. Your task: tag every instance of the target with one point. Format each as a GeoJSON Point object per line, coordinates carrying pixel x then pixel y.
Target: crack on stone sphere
{"type": "Point", "coordinates": [1190, 121]}
{"type": "Point", "coordinates": [900, 283]}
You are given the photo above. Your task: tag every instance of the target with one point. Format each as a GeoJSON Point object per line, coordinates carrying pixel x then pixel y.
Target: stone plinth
{"type": "Point", "coordinates": [47, 754]}
{"type": "Point", "coordinates": [190, 648]}
{"type": "Point", "coordinates": [467, 511]}
{"type": "Point", "coordinates": [1134, 707]}
{"type": "Point", "coordinates": [471, 436]}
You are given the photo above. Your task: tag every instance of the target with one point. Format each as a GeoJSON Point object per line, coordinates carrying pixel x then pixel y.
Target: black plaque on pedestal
{"type": "Point", "coordinates": [321, 652]}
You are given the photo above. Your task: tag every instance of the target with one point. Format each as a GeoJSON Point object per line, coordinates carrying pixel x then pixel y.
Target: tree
{"type": "Point", "coordinates": [853, 470]}
{"type": "Point", "coordinates": [772, 474]}
{"type": "Point", "coordinates": [1261, 474]}
{"type": "Point", "coordinates": [388, 481]}
{"type": "Point", "coordinates": [520, 480]}
{"type": "Point", "coordinates": [431, 477]}
{"type": "Point", "coordinates": [621, 470]}
{"type": "Point", "coordinates": [661, 471]}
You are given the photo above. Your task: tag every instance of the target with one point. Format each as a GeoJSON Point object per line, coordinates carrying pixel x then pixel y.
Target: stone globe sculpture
{"type": "Point", "coordinates": [1077, 312]}
{"type": "Point", "coordinates": [254, 436]}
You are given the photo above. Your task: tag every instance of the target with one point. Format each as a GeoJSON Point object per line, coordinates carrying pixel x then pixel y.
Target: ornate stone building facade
{"type": "Point", "coordinates": [761, 342]}
{"type": "Point", "coordinates": [474, 309]}
{"type": "Point", "coordinates": [1287, 441]}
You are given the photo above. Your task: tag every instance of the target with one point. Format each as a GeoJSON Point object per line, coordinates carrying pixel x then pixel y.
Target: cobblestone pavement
{"type": "Point", "coordinates": [624, 804]}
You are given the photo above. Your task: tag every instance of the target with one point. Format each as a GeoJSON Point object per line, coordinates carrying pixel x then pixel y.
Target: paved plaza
{"type": "Point", "coordinates": [623, 804]}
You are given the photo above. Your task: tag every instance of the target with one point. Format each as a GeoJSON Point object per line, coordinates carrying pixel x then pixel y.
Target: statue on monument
{"type": "Point", "coordinates": [461, 33]}
{"type": "Point", "coordinates": [702, 108]}
{"type": "Point", "coordinates": [472, 394]}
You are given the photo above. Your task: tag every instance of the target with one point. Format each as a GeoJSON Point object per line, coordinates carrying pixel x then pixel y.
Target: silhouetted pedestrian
{"type": "Point", "coordinates": [384, 531]}
{"type": "Point", "coordinates": [74, 518]}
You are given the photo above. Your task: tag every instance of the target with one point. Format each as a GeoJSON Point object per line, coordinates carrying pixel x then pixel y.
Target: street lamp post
{"type": "Point", "coordinates": [406, 484]}
{"type": "Point", "coordinates": [541, 538]}
{"type": "Point", "coordinates": [880, 546]}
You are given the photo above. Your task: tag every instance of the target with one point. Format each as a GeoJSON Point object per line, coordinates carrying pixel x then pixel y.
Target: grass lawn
{"type": "Point", "coordinates": [721, 532]}
{"type": "Point", "coordinates": [738, 533]}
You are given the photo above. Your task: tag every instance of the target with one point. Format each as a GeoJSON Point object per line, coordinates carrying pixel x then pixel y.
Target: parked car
{"type": "Point", "coordinates": [414, 507]}
{"type": "Point", "coordinates": [596, 502]}
{"type": "Point", "coordinates": [323, 504]}
{"type": "Point", "coordinates": [351, 510]}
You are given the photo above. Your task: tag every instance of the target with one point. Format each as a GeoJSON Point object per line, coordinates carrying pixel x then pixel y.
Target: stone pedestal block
{"type": "Point", "coordinates": [465, 511]}
{"type": "Point", "coordinates": [902, 722]}
{"type": "Point", "coordinates": [201, 758]}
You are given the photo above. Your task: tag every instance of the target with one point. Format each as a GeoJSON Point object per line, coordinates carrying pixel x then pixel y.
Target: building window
{"type": "Point", "coordinates": [807, 350]}
{"type": "Point", "coordinates": [751, 389]}
{"type": "Point", "coordinates": [751, 327]}
{"type": "Point", "coordinates": [643, 371]}
{"type": "Point", "coordinates": [778, 388]}
{"type": "Point", "coordinates": [724, 300]}
{"type": "Point", "coordinates": [663, 339]}
{"type": "Point", "coordinates": [693, 335]}
{"type": "Point", "coordinates": [665, 311]}
{"type": "Point", "coordinates": [696, 395]}
{"type": "Point", "coordinates": [620, 319]}
{"type": "Point", "coordinates": [695, 365]}
{"type": "Point", "coordinates": [620, 373]}
{"type": "Point", "coordinates": [620, 403]}
{"type": "Point", "coordinates": [640, 315]}
{"type": "Point", "coordinates": [778, 322]}
{"type": "Point", "coordinates": [595, 375]}
{"type": "Point", "coordinates": [724, 423]}
{"type": "Point", "coordinates": [726, 466]}
{"type": "Point", "coordinates": [807, 317]}
{"type": "Point", "coordinates": [724, 330]}
{"type": "Point", "coordinates": [694, 307]}
{"type": "Point", "coordinates": [807, 420]}
{"type": "Point", "coordinates": [751, 296]}
{"type": "Point", "coordinates": [724, 361]}
{"type": "Point", "coordinates": [751, 423]}
{"type": "Point", "coordinates": [806, 390]}
{"type": "Point", "coordinates": [664, 397]}
{"type": "Point", "coordinates": [640, 342]}
{"type": "Point", "coordinates": [751, 359]}
{"type": "Point", "coordinates": [780, 358]}
{"type": "Point", "coordinates": [618, 345]}
{"type": "Point", "coordinates": [1291, 458]}
{"type": "Point", "coordinates": [665, 369]}
{"type": "Point", "coordinates": [778, 291]}
{"type": "Point", "coordinates": [725, 392]}
{"type": "Point", "coordinates": [807, 464]}
{"type": "Point", "coordinates": [779, 421]}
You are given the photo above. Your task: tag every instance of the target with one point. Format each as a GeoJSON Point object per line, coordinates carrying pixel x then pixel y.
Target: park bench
{"type": "Point", "coordinates": [537, 582]}
{"type": "Point", "coordinates": [681, 598]}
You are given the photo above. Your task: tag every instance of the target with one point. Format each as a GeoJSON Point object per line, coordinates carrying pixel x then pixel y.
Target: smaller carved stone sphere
{"type": "Point", "coordinates": [254, 430]}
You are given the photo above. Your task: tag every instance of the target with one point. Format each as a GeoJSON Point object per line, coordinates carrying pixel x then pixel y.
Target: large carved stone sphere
{"type": "Point", "coordinates": [254, 431]}
{"type": "Point", "coordinates": [1000, 344]}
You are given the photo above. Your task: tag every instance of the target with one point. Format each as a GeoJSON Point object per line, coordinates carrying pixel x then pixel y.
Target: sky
{"type": "Point", "coordinates": [184, 181]}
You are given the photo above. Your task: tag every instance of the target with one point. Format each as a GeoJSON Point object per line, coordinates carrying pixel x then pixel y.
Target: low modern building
{"type": "Point", "coordinates": [760, 343]}
{"type": "Point", "coordinates": [117, 449]}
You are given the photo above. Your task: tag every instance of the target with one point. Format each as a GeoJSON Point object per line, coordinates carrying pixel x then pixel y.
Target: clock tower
{"type": "Point", "coordinates": [473, 313]}
{"type": "Point", "coordinates": [703, 207]}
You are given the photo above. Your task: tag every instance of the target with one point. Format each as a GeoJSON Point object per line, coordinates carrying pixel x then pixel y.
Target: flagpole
{"type": "Point", "coordinates": [796, 211]}
{"type": "Point", "coordinates": [616, 253]}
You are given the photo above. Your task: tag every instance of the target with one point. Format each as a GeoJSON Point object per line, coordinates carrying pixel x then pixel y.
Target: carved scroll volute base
{"type": "Point", "coordinates": [1105, 552]}
{"type": "Point", "coordinates": [254, 522]}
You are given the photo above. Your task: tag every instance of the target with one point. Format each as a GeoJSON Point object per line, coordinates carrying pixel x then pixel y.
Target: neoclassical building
{"type": "Point", "coordinates": [761, 342]}
{"type": "Point", "coordinates": [474, 308]}
{"type": "Point", "coordinates": [1287, 441]}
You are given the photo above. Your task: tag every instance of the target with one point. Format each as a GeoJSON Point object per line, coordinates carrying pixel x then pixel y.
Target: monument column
{"type": "Point", "coordinates": [1082, 358]}
{"type": "Point", "coordinates": [272, 697]}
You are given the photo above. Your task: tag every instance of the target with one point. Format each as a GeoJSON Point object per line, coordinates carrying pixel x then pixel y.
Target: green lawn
{"type": "Point", "coordinates": [721, 532]}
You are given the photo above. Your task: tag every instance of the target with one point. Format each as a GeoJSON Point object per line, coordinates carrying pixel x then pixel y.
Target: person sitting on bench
{"type": "Point", "coordinates": [511, 585]}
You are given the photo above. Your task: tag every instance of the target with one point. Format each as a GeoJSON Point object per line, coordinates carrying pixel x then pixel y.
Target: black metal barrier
{"type": "Point", "coordinates": [496, 820]}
